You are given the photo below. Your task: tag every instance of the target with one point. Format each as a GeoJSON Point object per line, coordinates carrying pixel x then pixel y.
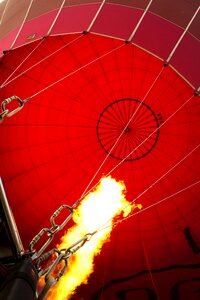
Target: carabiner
{"type": "Point", "coordinates": [6, 111]}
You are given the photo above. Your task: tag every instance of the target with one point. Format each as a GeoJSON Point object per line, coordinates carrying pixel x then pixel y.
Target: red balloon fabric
{"type": "Point", "coordinates": [97, 105]}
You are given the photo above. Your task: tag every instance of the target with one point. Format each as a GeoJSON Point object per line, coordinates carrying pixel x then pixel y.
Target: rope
{"type": "Point", "coordinates": [152, 205]}
{"type": "Point", "coordinates": [24, 20]}
{"type": "Point", "coordinates": [117, 165]}
{"type": "Point", "coordinates": [25, 59]}
{"type": "Point", "coordinates": [56, 17]}
{"type": "Point", "coordinates": [121, 134]}
{"type": "Point", "coordinates": [75, 71]}
{"type": "Point", "coordinates": [149, 268]}
{"type": "Point", "coordinates": [140, 21]}
{"type": "Point", "coordinates": [4, 11]}
{"type": "Point", "coordinates": [40, 61]}
{"type": "Point", "coordinates": [182, 36]}
{"type": "Point", "coordinates": [161, 177]}
{"type": "Point", "coordinates": [149, 136]}
{"type": "Point", "coordinates": [96, 15]}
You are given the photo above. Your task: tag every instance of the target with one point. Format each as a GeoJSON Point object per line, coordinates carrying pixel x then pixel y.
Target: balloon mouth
{"type": "Point", "coordinates": [127, 129]}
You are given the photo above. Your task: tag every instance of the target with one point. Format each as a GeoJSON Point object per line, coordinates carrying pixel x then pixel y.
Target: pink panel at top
{"type": "Point", "coordinates": [38, 27]}
{"type": "Point", "coordinates": [75, 18]}
{"type": "Point", "coordinates": [186, 59]}
{"type": "Point", "coordinates": [157, 35]}
{"type": "Point", "coordinates": [7, 41]}
{"type": "Point", "coordinates": [116, 20]}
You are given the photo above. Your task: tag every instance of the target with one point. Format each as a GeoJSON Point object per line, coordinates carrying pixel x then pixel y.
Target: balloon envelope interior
{"type": "Point", "coordinates": [97, 106]}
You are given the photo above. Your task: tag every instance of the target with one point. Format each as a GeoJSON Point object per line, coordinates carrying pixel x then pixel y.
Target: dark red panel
{"type": "Point", "coordinates": [157, 35]}
{"type": "Point", "coordinates": [186, 59]}
{"type": "Point", "coordinates": [71, 18]}
{"type": "Point", "coordinates": [117, 21]}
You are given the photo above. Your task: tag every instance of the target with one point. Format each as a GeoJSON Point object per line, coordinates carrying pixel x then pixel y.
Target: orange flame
{"type": "Point", "coordinates": [97, 208]}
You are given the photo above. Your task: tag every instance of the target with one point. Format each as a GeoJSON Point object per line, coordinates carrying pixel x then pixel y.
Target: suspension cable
{"type": "Point", "coordinates": [154, 183]}
{"type": "Point", "coordinates": [150, 135]}
{"type": "Point", "coordinates": [40, 61]}
{"type": "Point", "coordinates": [151, 205]}
{"type": "Point", "coordinates": [117, 165]}
{"type": "Point", "coordinates": [25, 59]}
{"type": "Point", "coordinates": [4, 11]}
{"type": "Point", "coordinates": [149, 269]}
{"type": "Point", "coordinates": [56, 17]}
{"type": "Point", "coordinates": [96, 15]}
{"type": "Point", "coordinates": [23, 22]}
{"type": "Point", "coordinates": [122, 132]}
{"type": "Point", "coordinates": [140, 21]}
{"type": "Point", "coordinates": [182, 36]}
{"type": "Point", "coordinates": [75, 71]}
{"type": "Point", "coordinates": [161, 177]}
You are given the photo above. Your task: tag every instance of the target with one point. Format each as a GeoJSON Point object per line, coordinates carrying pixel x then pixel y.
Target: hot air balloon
{"type": "Point", "coordinates": [96, 88]}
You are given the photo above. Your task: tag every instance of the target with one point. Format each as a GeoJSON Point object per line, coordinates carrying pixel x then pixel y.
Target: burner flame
{"type": "Point", "coordinates": [96, 212]}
